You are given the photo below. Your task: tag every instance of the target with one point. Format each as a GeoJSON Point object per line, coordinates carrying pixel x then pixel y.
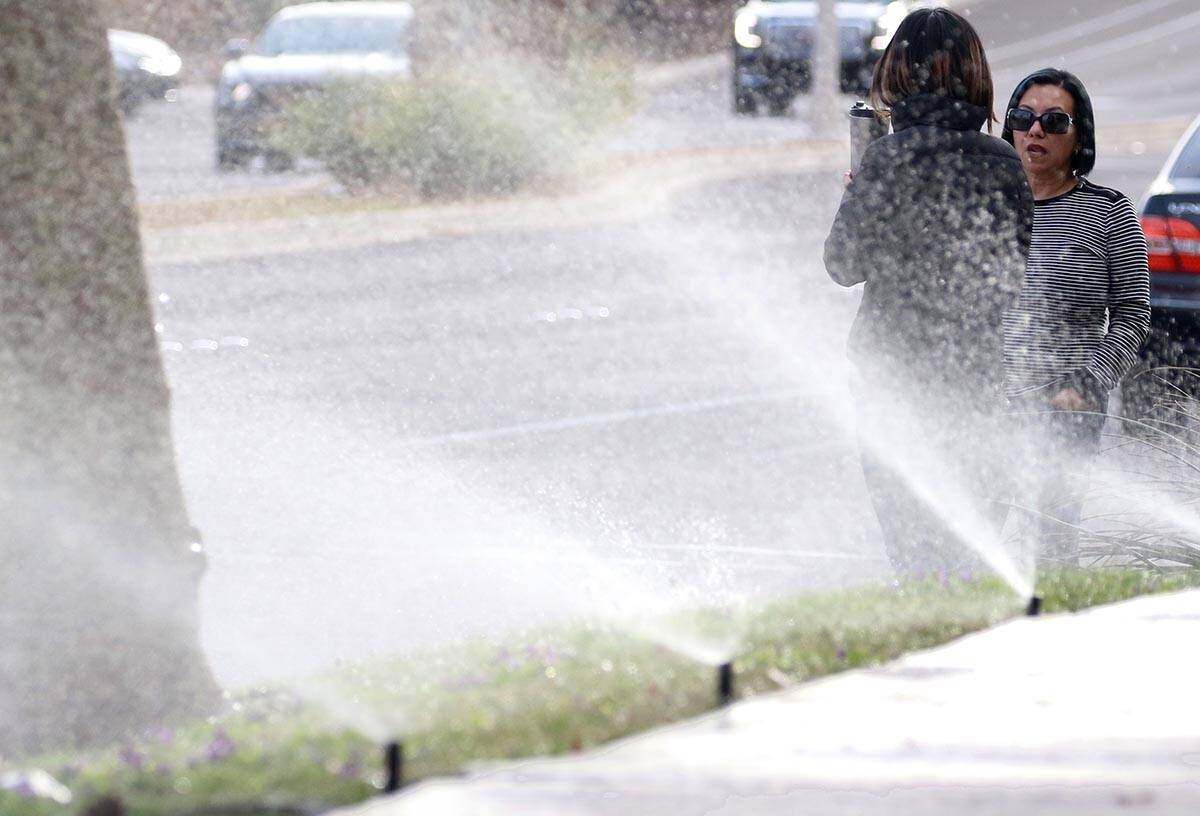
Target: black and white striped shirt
{"type": "Point", "coordinates": [1085, 305]}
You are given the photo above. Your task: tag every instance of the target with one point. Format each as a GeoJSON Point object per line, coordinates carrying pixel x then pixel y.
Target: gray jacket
{"type": "Point", "coordinates": [937, 223]}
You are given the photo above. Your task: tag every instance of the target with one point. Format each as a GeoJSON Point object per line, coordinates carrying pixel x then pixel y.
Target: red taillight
{"type": "Point", "coordinates": [1158, 241]}
{"type": "Point", "coordinates": [1174, 244]}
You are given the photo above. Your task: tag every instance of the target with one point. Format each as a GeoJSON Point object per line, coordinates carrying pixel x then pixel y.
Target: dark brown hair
{"type": "Point", "coordinates": [934, 51]}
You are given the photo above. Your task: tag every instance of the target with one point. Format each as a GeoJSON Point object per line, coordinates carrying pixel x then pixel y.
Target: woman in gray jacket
{"type": "Point", "coordinates": [936, 223]}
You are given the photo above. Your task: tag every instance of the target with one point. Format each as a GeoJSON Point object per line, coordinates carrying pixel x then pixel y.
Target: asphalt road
{"type": "Point", "coordinates": [394, 446]}
{"type": "Point", "coordinates": [463, 435]}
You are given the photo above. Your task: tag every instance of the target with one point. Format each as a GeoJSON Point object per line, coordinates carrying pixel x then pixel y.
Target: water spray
{"type": "Point", "coordinates": [393, 766]}
{"type": "Point", "coordinates": [1035, 606]}
{"type": "Point", "coordinates": [724, 684]}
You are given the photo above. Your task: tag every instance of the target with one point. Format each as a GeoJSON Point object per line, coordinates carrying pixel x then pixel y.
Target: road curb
{"type": "Point", "coordinates": [625, 190]}
{"type": "Point", "coordinates": [656, 77]}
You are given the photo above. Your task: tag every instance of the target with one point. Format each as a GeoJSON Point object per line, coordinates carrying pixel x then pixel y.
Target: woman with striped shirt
{"type": "Point", "coordinates": [1084, 309]}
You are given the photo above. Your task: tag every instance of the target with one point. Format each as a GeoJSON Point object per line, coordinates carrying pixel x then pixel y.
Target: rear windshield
{"type": "Point", "coordinates": [335, 35]}
{"type": "Point", "coordinates": [1187, 166]}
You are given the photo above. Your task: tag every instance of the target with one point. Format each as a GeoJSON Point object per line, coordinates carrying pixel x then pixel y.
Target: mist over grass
{"type": "Point", "coordinates": [318, 744]}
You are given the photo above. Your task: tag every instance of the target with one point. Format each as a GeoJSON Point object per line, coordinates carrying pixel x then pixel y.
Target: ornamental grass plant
{"type": "Point", "coordinates": [1145, 491]}
{"type": "Point", "coordinates": [485, 128]}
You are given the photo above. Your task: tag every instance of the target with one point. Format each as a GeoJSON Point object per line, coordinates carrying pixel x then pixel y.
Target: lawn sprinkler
{"type": "Point", "coordinates": [393, 766]}
{"type": "Point", "coordinates": [1035, 606]}
{"type": "Point", "coordinates": [724, 684]}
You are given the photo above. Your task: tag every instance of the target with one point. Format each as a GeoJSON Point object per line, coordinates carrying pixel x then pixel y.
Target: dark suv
{"type": "Point", "coordinates": [302, 50]}
{"type": "Point", "coordinates": [1171, 221]}
{"type": "Point", "coordinates": [774, 42]}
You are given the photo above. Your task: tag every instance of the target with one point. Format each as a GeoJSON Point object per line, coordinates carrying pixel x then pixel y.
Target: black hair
{"type": "Point", "coordinates": [1084, 158]}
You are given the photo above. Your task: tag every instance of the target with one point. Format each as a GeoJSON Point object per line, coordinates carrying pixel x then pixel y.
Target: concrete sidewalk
{"type": "Point", "coordinates": [1093, 713]}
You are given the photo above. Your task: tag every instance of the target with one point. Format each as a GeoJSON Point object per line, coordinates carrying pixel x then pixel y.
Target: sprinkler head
{"type": "Point", "coordinates": [724, 684]}
{"type": "Point", "coordinates": [393, 766]}
{"type": "Point", "coordinates": [1035, 607]}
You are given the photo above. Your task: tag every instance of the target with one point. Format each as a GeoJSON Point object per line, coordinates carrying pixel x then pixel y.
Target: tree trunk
{"type": "Point", "coordinates": [100, 568]}
{"type": "Point", "coordinates": [827, 70]}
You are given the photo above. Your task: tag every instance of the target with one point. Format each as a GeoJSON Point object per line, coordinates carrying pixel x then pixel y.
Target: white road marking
{"type": "Point", "coordinates": [1037, 45]}
{"type": "Point", "coordinates": [526, 558]}
{"type": "Point", "coordinates": [708, 548]}
{"type": "Point", "coordinates": [1137, 39]}
{"type": "Point", "coordinates": [780, 451]}
{"type": "Point", "coordinates": [596, 420]}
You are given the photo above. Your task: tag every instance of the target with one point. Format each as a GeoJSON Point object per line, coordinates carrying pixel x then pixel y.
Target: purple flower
{"type": "Point", "coordinates": [352, 767]}
{"type": "Point", "coordinates": [841, 654]}
{"type": "Point", "coordinates": [967, 576]}
{"type": "Point", "coordinates": [465, 681]}
{"type": "Point", "coordinates": [132, 757]}
{"type": "Point", "coordinates": [220, 748]}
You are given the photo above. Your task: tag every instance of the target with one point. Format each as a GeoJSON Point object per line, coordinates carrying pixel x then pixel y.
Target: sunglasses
{"type": "Point", "coordinates": [1055, 122]}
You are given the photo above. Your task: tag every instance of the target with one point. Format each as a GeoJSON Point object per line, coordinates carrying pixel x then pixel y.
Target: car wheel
{"type": "Point", "coordinates": [128, 103]}
{"type": "Point", "coordinates": [230, 158]}
{"type": "Point", "coordinates": [277, 161]}
{"type": "Point", "coordinates": [864, 80]}
{"type": "Point", "coordinates": [778, 104]}
{"type": "Point", "coordinates": [744, 102]}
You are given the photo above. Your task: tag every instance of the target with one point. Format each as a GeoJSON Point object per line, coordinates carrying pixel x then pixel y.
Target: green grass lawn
{"type": "Point", "coordinates": [318, 745]}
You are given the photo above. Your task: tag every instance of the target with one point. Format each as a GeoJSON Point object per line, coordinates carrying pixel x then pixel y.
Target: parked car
{"type": "Point", "coordinates": [302, 50]}
{"type": "Point", "coordinates": [1171, 220]}
{"type": "Point", "coordinates": [147, 68]}
{"type": "Point", "coordinates": [774, 42]}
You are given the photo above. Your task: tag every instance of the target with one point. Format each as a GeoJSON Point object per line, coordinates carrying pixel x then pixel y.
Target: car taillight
{"type": "Point", "coordinates": [1174, 244]}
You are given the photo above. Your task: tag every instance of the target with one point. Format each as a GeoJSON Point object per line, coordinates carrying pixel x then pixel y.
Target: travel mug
{"type": "Point", "coordinates": [865, 127]}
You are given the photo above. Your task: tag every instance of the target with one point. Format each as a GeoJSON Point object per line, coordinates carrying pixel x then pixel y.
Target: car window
{"type": "Point", "coordinates": [1187, 166]}
{"type": "Point", "coordinates": [334, 35]}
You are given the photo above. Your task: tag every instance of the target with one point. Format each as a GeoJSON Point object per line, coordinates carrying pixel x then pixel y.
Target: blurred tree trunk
{"type": "Point", "coordinates": [827, 73]}
{"type": "Point", "coordinates": [100, 568]}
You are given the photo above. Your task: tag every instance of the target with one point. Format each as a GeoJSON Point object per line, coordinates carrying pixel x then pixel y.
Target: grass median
{"type": "Point", "coordinates": [317, 745]}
